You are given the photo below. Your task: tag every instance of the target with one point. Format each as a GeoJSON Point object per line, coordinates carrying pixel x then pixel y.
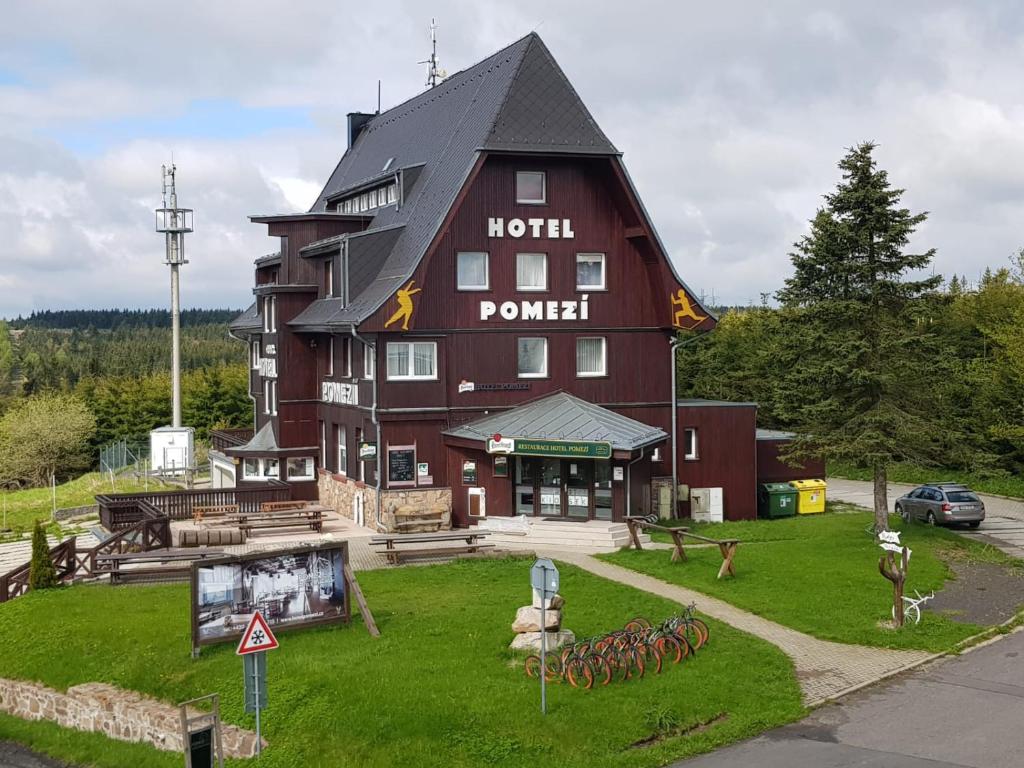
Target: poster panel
{"type": "Point", "coordinates": [292, 588]}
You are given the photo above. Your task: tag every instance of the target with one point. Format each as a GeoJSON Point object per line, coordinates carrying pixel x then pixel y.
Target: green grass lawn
{"type": "Point", "coordinates": [27, 506]}
{"type": "Point", "coordinates": [439, 688]}
{"type": "Point", "coordinates": [819, 574]}
{"type": "Point", "coordinates": [999, 484]}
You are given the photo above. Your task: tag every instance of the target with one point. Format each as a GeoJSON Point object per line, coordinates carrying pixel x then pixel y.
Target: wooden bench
{"type": "Point", "coordinates": [217, 510]}
{"type": "Point", "coordinates": [180, 567]}
{"type": "Point", "coordinates": [394, 555]}
{"type": "Point", "coordinates": [277, 506]}
{"type": "Point", "coordinates": [727, 547]}
{"type": "Point", "coordinates": [295, 518]}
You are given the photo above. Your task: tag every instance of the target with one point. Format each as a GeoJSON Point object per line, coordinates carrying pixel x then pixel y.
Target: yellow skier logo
{"type": "Point", "coordinates": [405, 306]}
{"type": "Point", "coordinates": [685, 310]}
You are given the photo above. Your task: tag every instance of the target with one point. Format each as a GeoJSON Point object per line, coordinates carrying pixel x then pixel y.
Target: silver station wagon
{"type": "Point", "coordinates": [942, 504]}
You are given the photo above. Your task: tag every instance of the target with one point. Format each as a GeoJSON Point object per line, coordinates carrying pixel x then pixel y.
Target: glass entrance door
{"type": "Point", "coordinates": [578, 482]}
{"type": "Point", "coordinates": [569, 488]}
{"type": "Point", "coordinates": [551, 488]}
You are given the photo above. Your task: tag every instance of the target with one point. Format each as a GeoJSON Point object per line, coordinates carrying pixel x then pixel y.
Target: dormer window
{"type": "Point", "coordinates": [531, 187]}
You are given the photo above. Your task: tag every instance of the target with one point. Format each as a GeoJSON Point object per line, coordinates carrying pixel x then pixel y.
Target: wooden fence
{"type": "Point", "coordinates": [118, 510]}
{"type": "Point", "coordinates": [229, 438]}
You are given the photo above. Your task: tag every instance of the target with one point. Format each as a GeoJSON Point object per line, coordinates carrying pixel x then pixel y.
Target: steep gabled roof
{"type": "Point", "coordinates": [562, 416]}
{"type": "Point", "coordinates": [518, 99]}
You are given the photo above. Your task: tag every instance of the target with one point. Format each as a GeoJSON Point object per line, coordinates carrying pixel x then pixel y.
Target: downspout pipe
{"type": "Point", "coordinates": [675, 344]}
{"type": "Point", "coordinates": [376, 423]}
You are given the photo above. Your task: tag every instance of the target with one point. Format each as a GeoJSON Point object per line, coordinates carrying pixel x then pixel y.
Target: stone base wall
{"type": "Point", "coordinates": [114, 712]}
{"type": "Point", "coordinates": [340, 492]}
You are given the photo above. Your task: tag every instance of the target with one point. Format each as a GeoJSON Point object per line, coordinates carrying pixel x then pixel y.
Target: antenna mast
{"type": "Point", "coordinates": [434, 73]}
{"type": "Point", "coordinates": [174, 222]}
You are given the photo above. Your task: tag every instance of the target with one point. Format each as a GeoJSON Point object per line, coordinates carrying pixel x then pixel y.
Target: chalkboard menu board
{"type": "Point", "coordinates": [402, 465]}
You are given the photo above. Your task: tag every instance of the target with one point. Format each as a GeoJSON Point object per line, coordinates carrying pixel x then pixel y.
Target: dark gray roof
{"type": "Point", "coordinates": [515, 100]}
{"type": "Point", "coordinates": [264, 441]}
{"type": "Point", "coordinates": [774, 434]}
{"type": "Point", "coordinates": [247, 321]}
{"type": "Point", "coordinates": [562, 416]}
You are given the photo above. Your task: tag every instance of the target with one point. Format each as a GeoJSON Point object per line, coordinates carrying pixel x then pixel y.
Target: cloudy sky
{"type": "Point", "coordinates": [731, 116]}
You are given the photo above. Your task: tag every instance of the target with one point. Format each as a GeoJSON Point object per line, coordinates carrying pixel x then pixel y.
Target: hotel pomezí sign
{"type": "Point", "coordinates": [339, 393]}
{"type": "Point", "coordinates": [568, 449]}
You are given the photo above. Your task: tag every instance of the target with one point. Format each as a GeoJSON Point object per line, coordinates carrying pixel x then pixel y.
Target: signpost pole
{"type": "Point", "coordinates": [256, 696]}
{"type": "Point", "coordinates": [543, 657]}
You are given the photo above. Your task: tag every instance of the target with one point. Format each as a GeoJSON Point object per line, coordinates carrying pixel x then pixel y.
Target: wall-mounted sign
{"type": "Point", "coordinates": [469, 476]}
{"type": "Point", "coordinates": [583, 449]}
{"type": "Point", "coordinates": [511, 386]}
{"type": "Point", "coordinates": [617, 474]}
{"type": "Point", "coordinates": [499, 444]}
{"type": "Point", "coordinates": [367, 451]}
{"type": "Point", "coordinates": [401, 465]}
{"type": "Point", "coordinates": [271, 349]}
{"type": "Point", "coordinates": [501, 466]}
{"type": "Point", "coordinates": [422, 469]}
{"type": "Point", "coordinates": [337, 392]}
{"type": "Point", "coordinates": [685, 316]}
{"type": "Point", "coordinates": [537, 310]}
{"type": "Point", "coordinates": [548, 229]}
{"type": "Point", "coordinates": [405, 306]}
{"type": "Point", "coordinates": [268, 367]}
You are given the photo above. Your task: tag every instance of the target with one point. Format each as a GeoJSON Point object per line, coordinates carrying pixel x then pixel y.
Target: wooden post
{"type": "Point", "coordinates": [364, 609]}
{"type": "Point", "coordinates": [678, 553]}
{"type": "Point", "coordinates": [897, 574]}
{"type": "Point", "coordinates": [632, 525]}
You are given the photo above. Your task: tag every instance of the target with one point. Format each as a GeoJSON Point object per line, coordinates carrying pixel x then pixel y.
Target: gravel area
{"type": "Point", "coordinates": [16, 756]}
{"type": "Point", "coordinates": [982, 593]}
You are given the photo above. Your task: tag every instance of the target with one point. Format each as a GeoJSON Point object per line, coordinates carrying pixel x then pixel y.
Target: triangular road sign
{"type": "Point", "coordinates": [257, 636]}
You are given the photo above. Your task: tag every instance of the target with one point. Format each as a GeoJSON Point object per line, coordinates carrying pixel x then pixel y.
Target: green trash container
{"type": "Point", "coordinates": [776, 500]}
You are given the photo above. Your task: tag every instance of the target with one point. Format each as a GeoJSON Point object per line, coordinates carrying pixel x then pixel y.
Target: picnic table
{"type": "Point", "coordinates": [727, 547]}
{"type": "Point", "coordinates": [214, 510]}
{"type": "Point", "coordinates": [247, 522]}
{"type": "Point", "coordinates": [389, 541]}
{"type": "Point", "coordinates": [154, 564]}
{"type": "Point", "coordinates": [276, 506]}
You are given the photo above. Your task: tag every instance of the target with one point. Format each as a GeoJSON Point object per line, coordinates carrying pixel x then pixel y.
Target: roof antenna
{"type": "Point", "coordinates": [378, 96]}
{"type": "Point", "coordinates": [434, 73]}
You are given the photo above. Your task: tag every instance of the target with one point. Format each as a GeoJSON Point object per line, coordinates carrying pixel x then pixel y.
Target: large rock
{"type": "Point", "coordinates": [552, 602]}
{"type": "Point", "coordinates": [528, 619]}
{"type": "Point", "coordinates": [530, 641]}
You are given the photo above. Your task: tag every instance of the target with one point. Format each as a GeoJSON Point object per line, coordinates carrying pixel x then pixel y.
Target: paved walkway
{"type": "Point", "coordinates": [1004, 518]}
{"type": "Point", "coordinates": [825, 669]}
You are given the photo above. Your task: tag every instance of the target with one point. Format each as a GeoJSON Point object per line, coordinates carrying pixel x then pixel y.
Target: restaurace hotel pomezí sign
{"type": "Point", "coordinates": [551, 229]}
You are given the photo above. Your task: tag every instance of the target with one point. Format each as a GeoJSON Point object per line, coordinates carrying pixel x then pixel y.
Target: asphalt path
{"type": "Point", "coordinates": [960, 712]}
{"type": "Point", "coordinates": [16, 756]}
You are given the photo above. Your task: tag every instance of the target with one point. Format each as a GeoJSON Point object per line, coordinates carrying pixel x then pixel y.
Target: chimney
{"type": "Point", "coordinates": [356, 122]}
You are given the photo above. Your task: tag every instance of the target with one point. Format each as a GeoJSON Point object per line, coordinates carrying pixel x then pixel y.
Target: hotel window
{"type": "Point", "coordinates": [346, 357]}
{"type": "Point", "coordinates": [369, 361]}
{"type": "Point", "coordinates": [532, 357]}
{"type": "Point", "coordinates": [300, 468]}
{"type": "Point", "coordinates": [382, 196]}
{"type": "Point", "coordinates": [591, 356]}
{"type": "Point", "coordinates": [329, 365]}
{"type": "Point", "coordinates": [412, 360]}
{"type": "Point", "coordinates": [255, 355]}
{"type": "Point", "coordinates": [251, 469]}
{"type": "Point", "coordinates": [590, 272]}
{"type": "Point", "coordinates": [472, 271]}
{"type": "Point", "coordinates": [329, 278]}
{"type": "Point", "coordinates": [270, 469]}
{"type": "Point", "coordinates": [531, 187]}
{"type": "Point", "coordinates": [323, 444]}
{"type": "Point", "coordinates": [531, 271]}
{"type": "Point", "coordinates": [690, 443]}
{"type": "Point", "coordinates": [270, 314]}
{"type": "Point", "coordinates": [270, 397]}
{"type": "Point", "coordinates": [392, 193]}
{"type": "Point", "coordinates": [342, 449]}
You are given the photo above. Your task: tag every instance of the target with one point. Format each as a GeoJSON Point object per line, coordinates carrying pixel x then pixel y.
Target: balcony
{"type": "Point", "coordinates": [229, 438]}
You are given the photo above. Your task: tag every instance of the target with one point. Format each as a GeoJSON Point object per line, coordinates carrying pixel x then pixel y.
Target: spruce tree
{"type": "Point", "coordinates": [858, 343]}
{"type": "Point", "coordinates": [42, 574]}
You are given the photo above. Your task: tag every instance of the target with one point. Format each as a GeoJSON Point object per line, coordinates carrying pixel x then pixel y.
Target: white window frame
{"type": "Point", "coordinates": [487, 271]}
{"type": "Point", "coordinates": [369, 361]}
{"type": "Point", "coordinates": [257, 353]}
{"type": "Point", "coordinates": [533, 289]}
{"type": "Point", "coordinates": [409, 375]}
{"type": "Point", "coordinates": [270, 397]}
{"type": "Point", "coordinates": [604, 272]}
{"type": "Point", "coordinates": [329, 368]}
{"type": "Point", "coordinates": [543, 185]}
{"type": "Point", "coordinates": [270, 314]}
{"type": "Point", "coordinates": [543, 374]}
{"type": "Point", "coordinates": [265, 466]}
{"type": "Point", "coordinates": [348, 356]}
{"type": "Point", "coordinates": [329, 271]}
{"type": "Point", "coordinates": [342, 450]}
{"type": "Point", "coordinates": [604, 358]}
{"type": "Point", "coordinates": [246, 475]}
{"type": "Point", "coordinates": [690, 450]}
{"type": "Point", "coordinates": [323, 443]}
{"type": "Point", "coordinates": [297, 477]}
{"type": "Point", "coordinates": [392, 194]}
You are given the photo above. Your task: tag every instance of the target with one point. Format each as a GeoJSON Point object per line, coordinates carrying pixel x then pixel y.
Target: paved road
{"type": "Point", "coordinates": [16, 756]}
{"type": "Point", "coordinates": [1004, 518]}
{"type": "Point", "coordinates": [964, 712]}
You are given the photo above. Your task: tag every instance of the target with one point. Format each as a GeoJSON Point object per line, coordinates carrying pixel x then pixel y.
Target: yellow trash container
{"type": "Point", "coordinates": [810, 496]}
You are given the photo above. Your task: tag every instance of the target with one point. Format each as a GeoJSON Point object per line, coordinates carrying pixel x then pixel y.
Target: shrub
{"type": "Point", "coordinates": [42, 573]}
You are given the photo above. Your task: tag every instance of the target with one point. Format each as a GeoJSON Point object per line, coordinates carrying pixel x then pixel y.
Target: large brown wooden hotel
{"type": "Point", "coordinates": [475, 317]}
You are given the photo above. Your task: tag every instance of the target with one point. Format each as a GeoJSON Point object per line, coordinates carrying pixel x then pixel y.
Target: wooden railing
{"type": "Point", "coordinates": [16, 581]}
{"type": "Point", "coordinates": [229, 438]}
{"type": "Point", "coordinates": [119, 510]}
{"type": "Point", "coordinates": [151, 530]}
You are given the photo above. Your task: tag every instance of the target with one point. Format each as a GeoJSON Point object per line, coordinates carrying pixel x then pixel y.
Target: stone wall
{"type": "Point", "coordinates": [339, 492]}
{"type": "Point", "coordinates": [69, 512]}
{"type": "Point", "coordinates": [114, 712]}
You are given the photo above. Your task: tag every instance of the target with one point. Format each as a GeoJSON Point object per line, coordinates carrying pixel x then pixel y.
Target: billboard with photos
{"type": "Point", "coordinates": [296, 587]}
